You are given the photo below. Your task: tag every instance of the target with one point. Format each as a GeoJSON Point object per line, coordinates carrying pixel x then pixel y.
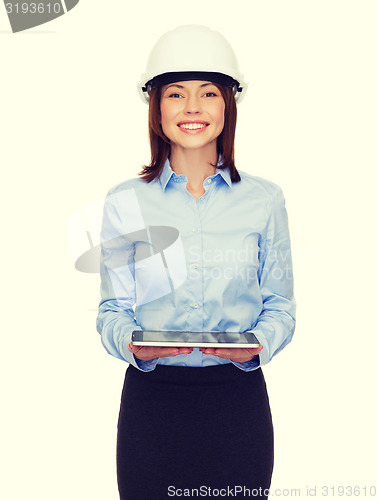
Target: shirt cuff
{"type": "Point", "coordinates": [250, 365]}
{"type": "Point", "coordinates": [146, 366]}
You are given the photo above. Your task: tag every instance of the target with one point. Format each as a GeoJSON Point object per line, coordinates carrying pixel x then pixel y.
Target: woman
{"type": "Point", "coordinates": [197, 246]}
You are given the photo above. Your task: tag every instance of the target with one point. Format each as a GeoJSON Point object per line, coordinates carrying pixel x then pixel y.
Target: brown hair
{"type": "Point", "coordinates": [160, 144]}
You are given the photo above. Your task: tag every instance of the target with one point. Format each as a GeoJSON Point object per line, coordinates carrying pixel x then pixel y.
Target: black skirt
{"type": "Point", "coordinates": [193, 432]}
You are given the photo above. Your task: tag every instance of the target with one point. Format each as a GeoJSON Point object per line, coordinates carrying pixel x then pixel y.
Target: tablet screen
{"type": "Point", "coordinates": [194, 339]}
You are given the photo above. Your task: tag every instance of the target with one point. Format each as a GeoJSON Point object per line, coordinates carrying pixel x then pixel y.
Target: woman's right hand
{"type": "Point", "coordinates": [151, 352]}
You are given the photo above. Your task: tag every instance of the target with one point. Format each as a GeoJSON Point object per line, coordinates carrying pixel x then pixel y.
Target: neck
{"type": "Point", "coordinates": [194, 163]}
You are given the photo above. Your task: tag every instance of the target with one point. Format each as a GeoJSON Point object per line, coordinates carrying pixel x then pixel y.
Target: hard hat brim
{"type": "Point", "coordinates": [177, 76]}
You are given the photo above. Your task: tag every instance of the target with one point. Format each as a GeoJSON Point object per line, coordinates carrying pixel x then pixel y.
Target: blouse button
{"type": "Point", "coordinates": [194, 229]}
{"type": "Point", "coordinates": [196, 305]}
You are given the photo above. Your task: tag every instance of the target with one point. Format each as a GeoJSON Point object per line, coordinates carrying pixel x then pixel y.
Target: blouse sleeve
{"type": "Point", "coordinates": [274, 328]}
{"type": "Point", "coordinates": [115, 320]}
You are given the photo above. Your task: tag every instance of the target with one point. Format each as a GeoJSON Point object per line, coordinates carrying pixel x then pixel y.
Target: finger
{"type": "Point", "coordinates": [208, 350]}
{"type": "Point", "coordinates": [185, 350]}
{"type": "Point", "coordinates": [254, 350]}
{"type": "Point", "coordinates": [151, 352]}
{"type": "Point", "coordinates": [163, 352]}
{"type": "Point", "coordinates": [134, 348]}
{"type": "Point", "coordinates": [225, 353]}
{"type": "Point", "coordinates": [237, 354]}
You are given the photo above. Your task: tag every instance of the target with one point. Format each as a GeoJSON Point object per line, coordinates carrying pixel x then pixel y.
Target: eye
{"type": "Point", "coordinates": [211, 93]}
{"type": "Point", "coordinates": [173, 95]}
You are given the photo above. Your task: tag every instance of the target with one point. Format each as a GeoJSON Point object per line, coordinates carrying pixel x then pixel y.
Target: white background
{"type": "Point", "coordinates": [73, 125]}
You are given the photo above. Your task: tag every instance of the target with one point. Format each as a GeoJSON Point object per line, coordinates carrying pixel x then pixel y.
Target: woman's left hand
{"type": "Point", "coordinates": [240, 355]}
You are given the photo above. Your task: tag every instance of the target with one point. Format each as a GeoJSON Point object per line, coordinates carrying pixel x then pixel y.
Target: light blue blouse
{"type": "Point", "coordinates": [219, 263]}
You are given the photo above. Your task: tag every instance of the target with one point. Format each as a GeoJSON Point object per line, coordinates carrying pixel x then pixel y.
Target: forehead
{"type": "Point", "coordinates": [188, 84]}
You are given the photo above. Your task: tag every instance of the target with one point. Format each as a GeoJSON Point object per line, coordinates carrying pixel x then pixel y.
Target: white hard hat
{"type": "Point", "coordinates": [192, 52]}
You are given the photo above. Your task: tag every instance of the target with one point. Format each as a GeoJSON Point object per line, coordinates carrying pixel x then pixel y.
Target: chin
{"type": "Point", "coordinates": [193, 141]}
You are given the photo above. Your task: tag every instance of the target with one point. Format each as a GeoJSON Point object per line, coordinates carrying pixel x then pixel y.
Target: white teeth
{"type": "Point", "coordinates": [192, 126]}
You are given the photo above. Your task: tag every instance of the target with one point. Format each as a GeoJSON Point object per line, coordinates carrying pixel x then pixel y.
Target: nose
{"type": "Point", "coordinates": [192, 105]}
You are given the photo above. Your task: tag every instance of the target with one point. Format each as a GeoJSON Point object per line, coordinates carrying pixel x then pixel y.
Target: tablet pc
{"type": "Point", "coordinates": [193, 339]}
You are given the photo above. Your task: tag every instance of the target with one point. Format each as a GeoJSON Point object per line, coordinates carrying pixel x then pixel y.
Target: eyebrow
{"type": "Point", "coordinates": [182, 86]}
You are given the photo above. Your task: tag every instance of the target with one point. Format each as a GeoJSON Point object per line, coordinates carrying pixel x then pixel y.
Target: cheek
{"type": "Point", "coordinates": [166, 115]}
{"type": "Point", "coordinates": [220, 116]}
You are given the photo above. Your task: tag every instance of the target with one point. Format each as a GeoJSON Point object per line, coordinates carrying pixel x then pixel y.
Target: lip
{"type": "Point", "coordinates": [193, 131]}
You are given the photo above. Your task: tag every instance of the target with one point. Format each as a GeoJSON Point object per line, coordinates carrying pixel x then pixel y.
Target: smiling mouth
{"type": "Point", "coordinates": [193, 126]}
